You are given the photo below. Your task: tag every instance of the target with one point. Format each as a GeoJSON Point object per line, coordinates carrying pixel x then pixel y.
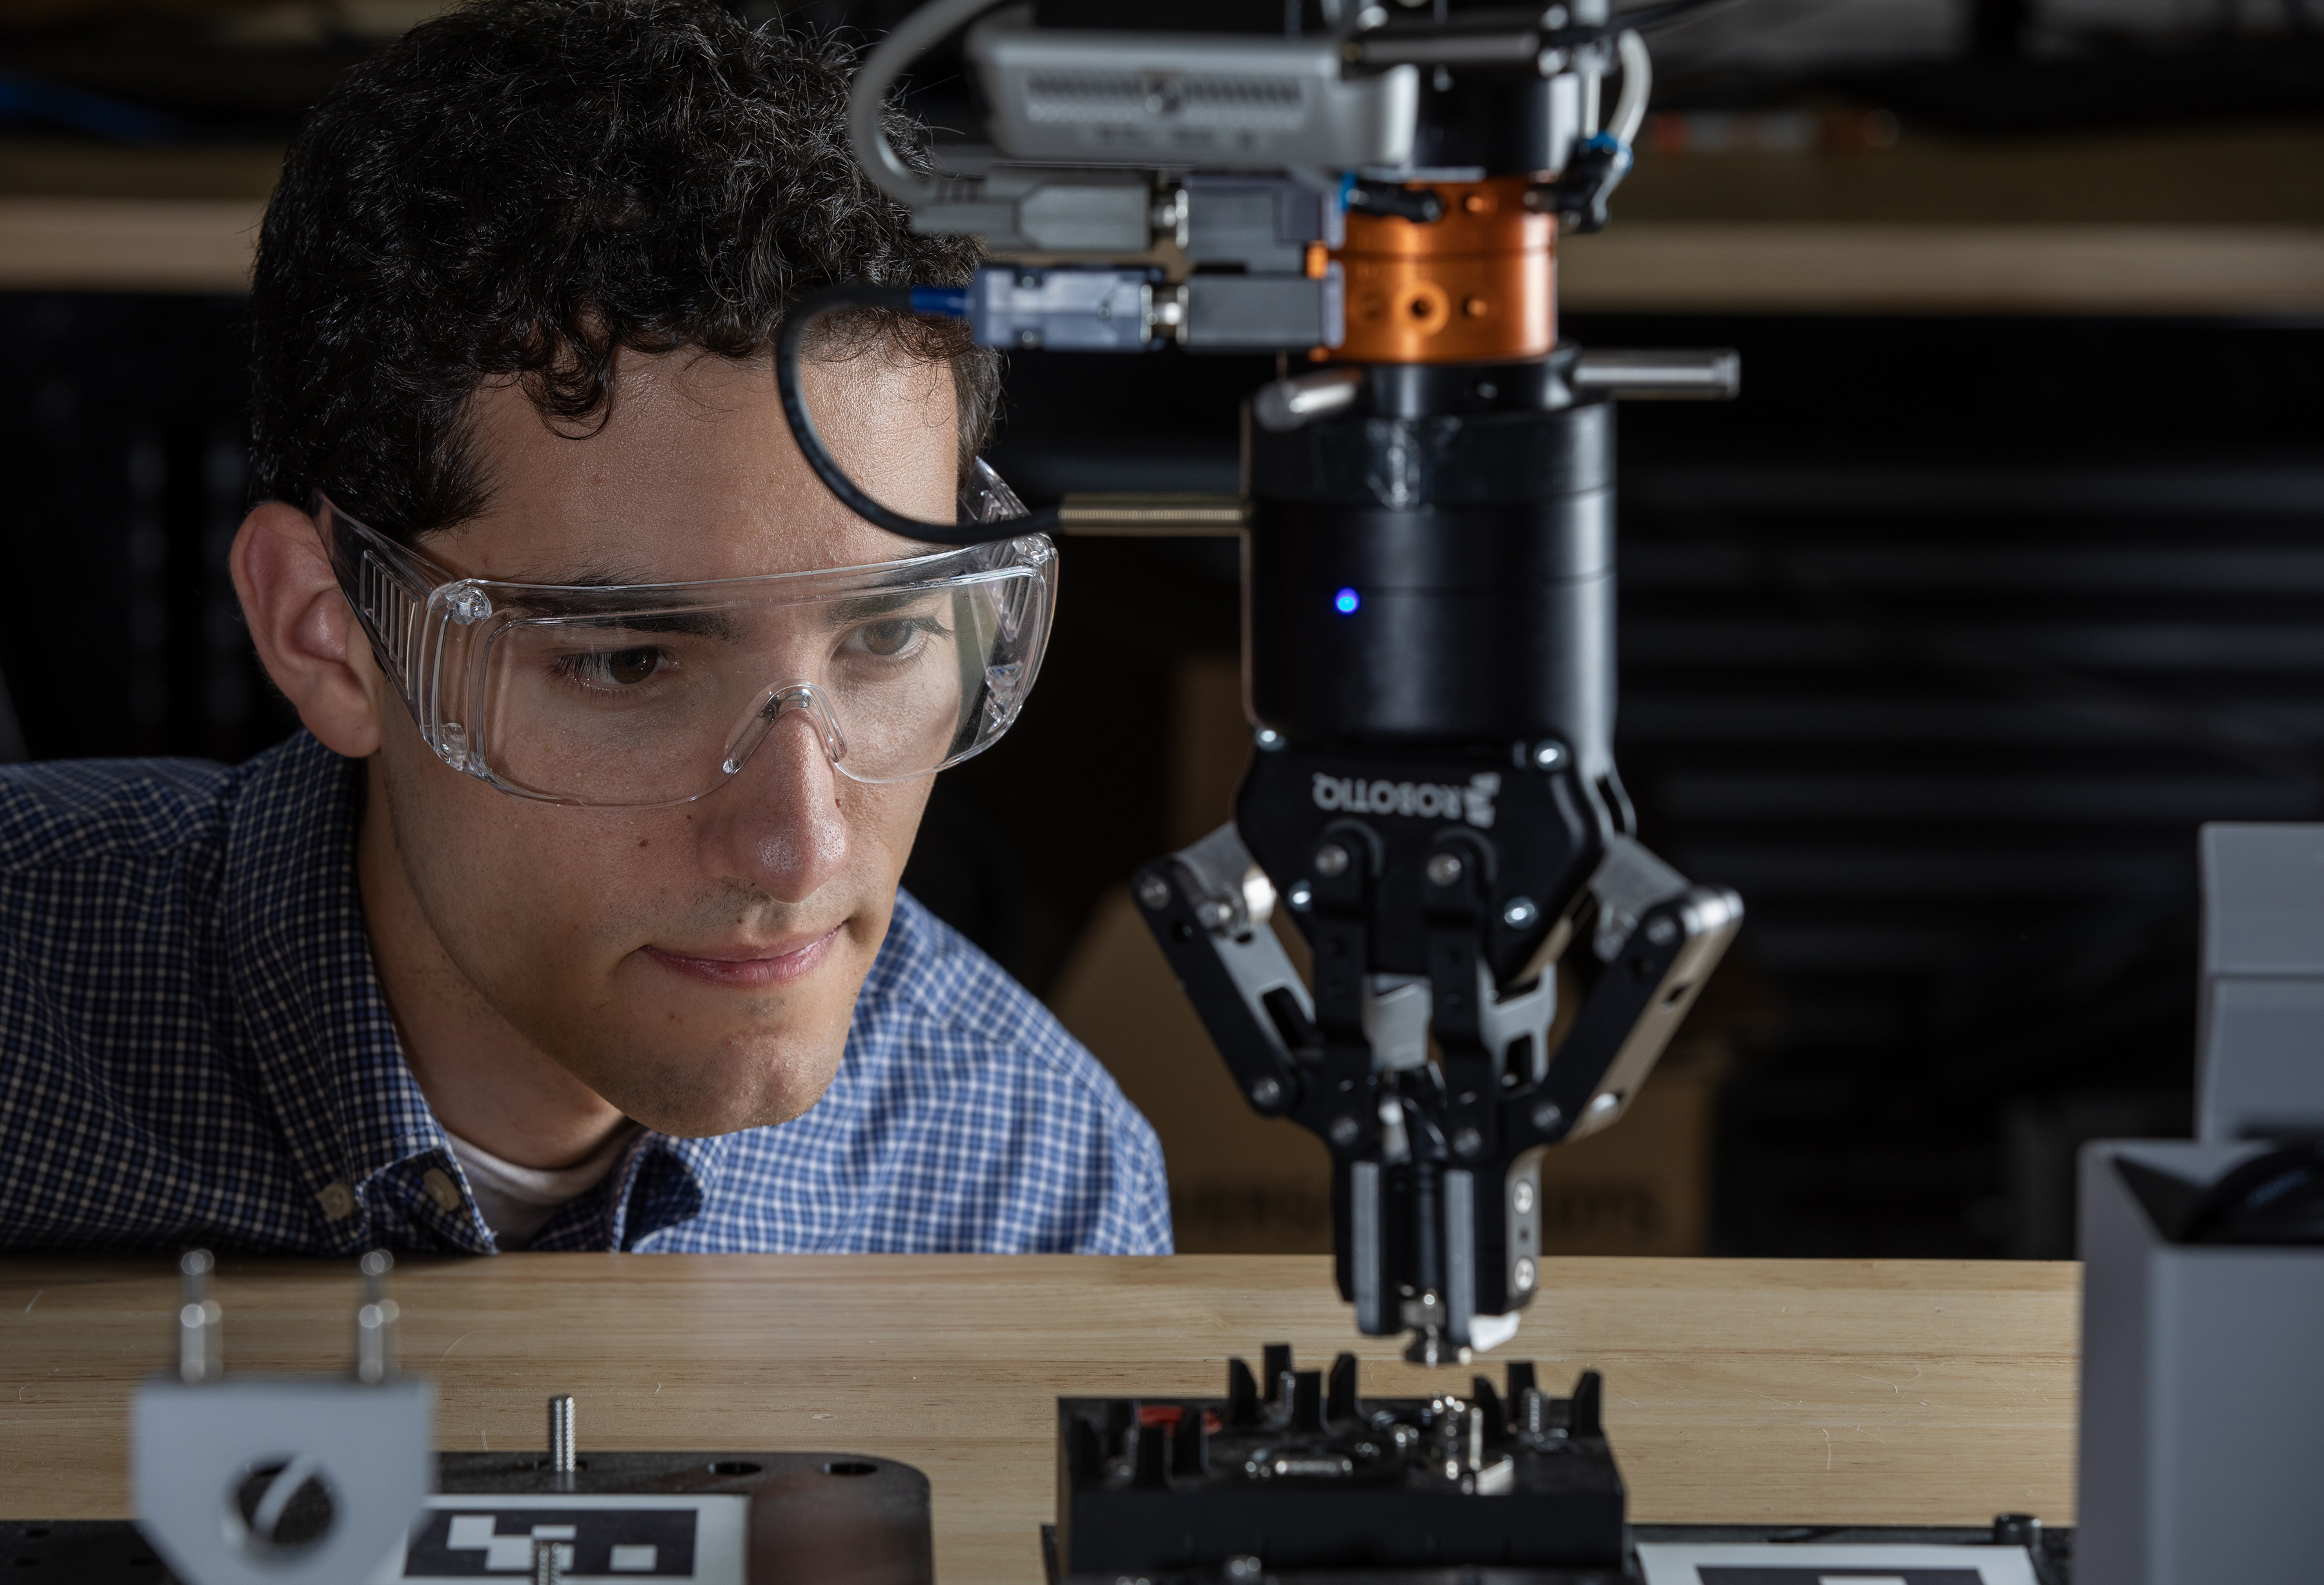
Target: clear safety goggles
{"type": "Point", "coordinates": [651, 694]}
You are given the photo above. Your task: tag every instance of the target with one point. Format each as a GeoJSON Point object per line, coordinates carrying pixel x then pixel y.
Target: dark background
{"type": "Point", "coordinates": [1938, 645]}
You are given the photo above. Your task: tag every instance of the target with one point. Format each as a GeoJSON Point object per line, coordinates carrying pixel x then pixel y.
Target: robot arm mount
{"type": "Point", "coordinates": [1428, 567]}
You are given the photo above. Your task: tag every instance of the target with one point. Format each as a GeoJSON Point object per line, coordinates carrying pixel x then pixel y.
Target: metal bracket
{"type": "Point", "coordinates": [1632, 1010]}
{"type": "Point", "coordinates": [1208, 907]}
{"type": "Point", "coordinates": [280, 1480]}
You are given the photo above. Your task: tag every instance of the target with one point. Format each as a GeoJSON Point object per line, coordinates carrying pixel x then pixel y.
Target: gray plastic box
{"type": "Point", "coordinates": [2260, 1064]}
{"type": "Point", "coordinates": [2202, 1399]}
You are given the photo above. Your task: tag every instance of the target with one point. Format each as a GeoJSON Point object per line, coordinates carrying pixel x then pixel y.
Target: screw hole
{"type": "Point", "coordinates": [280, 1507]}
{"type": "Point", "coordinates": [850, 1467]}
{"type": "Point", "coordinates": [734, 1467]}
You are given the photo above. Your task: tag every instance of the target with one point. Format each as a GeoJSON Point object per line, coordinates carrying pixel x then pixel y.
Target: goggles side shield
{"type": "Point", "coordinates": [645, 694]}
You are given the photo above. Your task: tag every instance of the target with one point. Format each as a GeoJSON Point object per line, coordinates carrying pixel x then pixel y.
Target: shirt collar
{"type": "Point", "coordinates": [319, 1035]}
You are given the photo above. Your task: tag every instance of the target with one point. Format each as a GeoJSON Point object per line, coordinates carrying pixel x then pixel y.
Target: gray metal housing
{"type": "Point", "coordinates": [2202, 1398]}
{"type": "Point", "coordinates": [2260, 1066]}
{"type": "Point", "coordinates": [1217, 101]}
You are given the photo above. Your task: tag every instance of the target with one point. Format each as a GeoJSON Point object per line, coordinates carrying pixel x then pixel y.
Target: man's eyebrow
{"type": "Point", "coordinates": [607, 578]}
{"type": "Point", "coordinates": [603, 605]}
{"type": "Point", "coordinates": [581, 606]}
{"type": "Point", "coordinates": [863, 606]}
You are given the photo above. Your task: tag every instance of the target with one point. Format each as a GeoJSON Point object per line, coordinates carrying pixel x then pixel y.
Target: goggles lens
{"type": "Point", "coordinates": [648, 694]}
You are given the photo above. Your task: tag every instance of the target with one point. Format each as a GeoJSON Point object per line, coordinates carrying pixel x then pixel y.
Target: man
{"type": "Point", "coordinates": [571, 920]}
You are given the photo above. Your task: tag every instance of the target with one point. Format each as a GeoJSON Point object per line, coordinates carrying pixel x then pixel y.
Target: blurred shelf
{"type": "Point", "coordinates": [58, 166]}
{"type": "Point", "coordinates": [127, 244]}
{"type": "Point", "coordinates": [1676, 266]}
{"type": "Point", "coordinates": [2264, 175]}
{"type": "Point", "coordinates": [2205, 222]}
{"type": "Point", "coordinates": [204, 245]}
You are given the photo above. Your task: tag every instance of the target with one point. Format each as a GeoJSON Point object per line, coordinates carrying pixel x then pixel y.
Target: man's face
{"type": "Point", "coordinates": [695, 966]}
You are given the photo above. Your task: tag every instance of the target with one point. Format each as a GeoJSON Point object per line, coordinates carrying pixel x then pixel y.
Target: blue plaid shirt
{"type": "Point", "coordinates": [194, 1049]}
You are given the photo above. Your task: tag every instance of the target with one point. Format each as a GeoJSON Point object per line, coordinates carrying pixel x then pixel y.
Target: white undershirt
{"type": "Point", "coordinates": [517, 1202]}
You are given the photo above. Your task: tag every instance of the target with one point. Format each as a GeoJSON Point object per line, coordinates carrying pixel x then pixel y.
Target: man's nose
{"type": "Point", "coordinates": [777, 825]}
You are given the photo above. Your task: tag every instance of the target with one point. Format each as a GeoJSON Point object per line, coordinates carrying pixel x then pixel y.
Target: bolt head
{"type": "Point", "coordinates": [1549, 756]}
{"type": "Point", "coordinates": [1444, 869]}
{"type": "Point", "coordinates": [1267, 1094]}
{"type": "Point", "coordinates": [1521, 1199]}
{"type": "Point", "coordinates": [1468, 1142]}
{"type": "Point", "coordinates": [1332, 860]}
{"type": "Point", "coordinates": [1547, 1116]}
{"type": "Point", "coordinates": [1662, 932]}
{"type": "Point", "coordinates": [1154, 892]}
{"type": "Point", "coordinates": [469, 604]}
{"type": "Point", "coordinates": [1269, 738]}
{"type": "Point", "coordinates": [1524, 1274]}
{"type": "Point", "coordinates": [1301, 896]}
{"type": "Point", "coordinates": [1345, 1131]}
{"type": "Point", "coordinates": [1214, 914]}
{"type": "Point", "coordinates": [1520, 914]}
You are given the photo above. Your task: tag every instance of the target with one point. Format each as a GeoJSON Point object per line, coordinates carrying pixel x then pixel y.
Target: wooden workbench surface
{"type": "Point", "coordinates": [1736, 1390]}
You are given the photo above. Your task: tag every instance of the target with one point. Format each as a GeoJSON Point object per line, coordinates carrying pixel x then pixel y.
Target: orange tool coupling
{"type": "Point", "coordinates": [1481, 282]}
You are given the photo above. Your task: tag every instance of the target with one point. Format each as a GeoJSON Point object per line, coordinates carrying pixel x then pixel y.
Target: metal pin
{"type": "Point", "coordinates": [375, 1321]}
{"type": "Point", "coordinates": [1476, 1439]}
{"type": "Point", "coordinates": [200, 1329]}
{"type": "Point", "coordinates": [548, 1562]}
{"type": "Point", "coordinates": [562, 1458]}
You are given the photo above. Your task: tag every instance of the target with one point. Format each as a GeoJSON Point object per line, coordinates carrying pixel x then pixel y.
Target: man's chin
{"type": "Point", "coordinates": [689, 1097]}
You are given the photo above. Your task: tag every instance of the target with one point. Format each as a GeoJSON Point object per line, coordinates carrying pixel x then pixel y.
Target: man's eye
{"type": "Point", "coordinates": [621, 669]}
{"type": "Point", "coordinates": [887, 639]}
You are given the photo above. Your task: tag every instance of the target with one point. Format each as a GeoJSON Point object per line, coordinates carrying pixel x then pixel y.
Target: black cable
{"type": "Point", "coordinates": [897, 300]}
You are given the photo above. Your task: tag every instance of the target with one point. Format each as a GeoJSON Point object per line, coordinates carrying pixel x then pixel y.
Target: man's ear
{"type": "Point", "coordinates": [306, 637]}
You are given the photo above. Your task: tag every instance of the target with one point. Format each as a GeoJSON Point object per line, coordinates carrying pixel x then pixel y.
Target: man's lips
{"type": "Point", "coordinates": [748, 969]}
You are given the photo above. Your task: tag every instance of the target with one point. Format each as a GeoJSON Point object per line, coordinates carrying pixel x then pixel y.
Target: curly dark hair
{"type": "Point", "coordinates": [522, 187]}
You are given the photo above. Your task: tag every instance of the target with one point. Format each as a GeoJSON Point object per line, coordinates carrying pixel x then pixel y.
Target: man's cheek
{"type": "Point", "coordinates": [886, 819]}
{"type": "Point", "coordinates": [558, 907]}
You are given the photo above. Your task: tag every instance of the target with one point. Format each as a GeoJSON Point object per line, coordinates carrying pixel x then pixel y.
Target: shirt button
{"type": "Point", "coordinates": [441, 1189]}
{"type": "Point", "coordinates": [337, 1201]}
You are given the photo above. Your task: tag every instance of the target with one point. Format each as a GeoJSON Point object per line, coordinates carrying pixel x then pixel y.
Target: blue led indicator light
{"type": "Point", "coordinates": [1345, 602]}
